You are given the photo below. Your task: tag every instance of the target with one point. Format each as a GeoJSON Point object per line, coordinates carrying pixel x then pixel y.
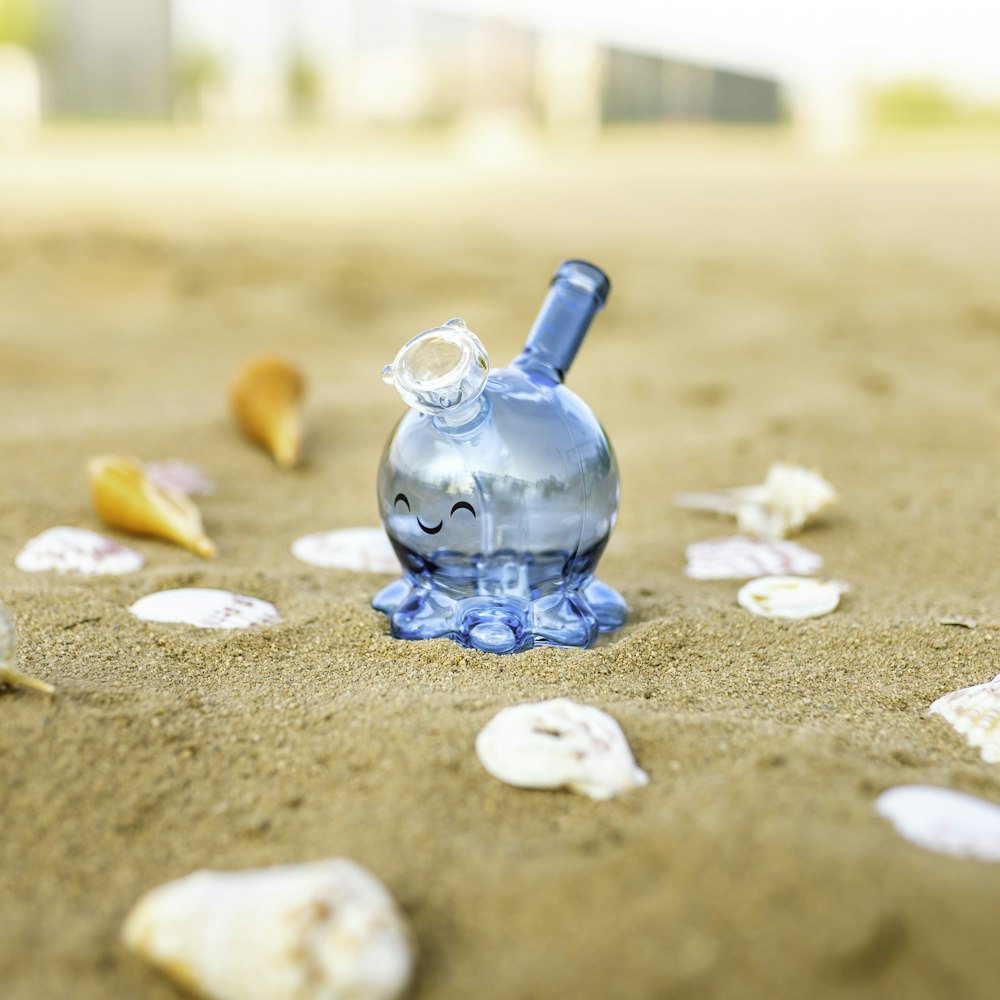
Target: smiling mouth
{"type": "Point", "coordinates": [430, 531]}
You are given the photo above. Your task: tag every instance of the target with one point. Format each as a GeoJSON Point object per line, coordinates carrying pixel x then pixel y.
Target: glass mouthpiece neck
{"type": "Point", "coordinates": [441, 371]}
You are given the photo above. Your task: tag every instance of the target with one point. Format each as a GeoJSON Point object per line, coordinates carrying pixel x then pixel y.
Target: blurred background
{"type": "Point", "coordinates": [794, 203]}
{"type": "Point", "coordinates": [507, 71]}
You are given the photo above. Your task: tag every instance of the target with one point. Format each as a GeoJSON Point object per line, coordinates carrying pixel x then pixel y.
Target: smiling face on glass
{"type": "Point", "coordinates": [441, 523]}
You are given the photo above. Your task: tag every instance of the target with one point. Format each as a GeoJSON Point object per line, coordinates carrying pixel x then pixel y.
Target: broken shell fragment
{"type": "Point", "coordinates": [791, 597]}
{"type": "Point", "coordinates": [9, 673]}
{"type": "Point", "coordinates": [265, 396]}
{"type": "Point", "coordinates": [559, 744]}
{"type": "Point", "coordinates": [206, 608]}
{"type": "Point", "coordinates": [128, 499]}
{"type": "Point", "coordinates": [327, 930]}
{"type": "Point", "coordinates": [181, 477]}
{"type": "Point", "coordinates": [943, 820]}
{"type": "Point", "coordinates": [77, 552]}
{"type": "Point", "coordinates": [364, 550]}
{"type": "Point", "coordinates": [739, 558]}
{"type": "Point", "coordinates": [782, 505]}
{"type": "Point", "coordinates": [975, 713]}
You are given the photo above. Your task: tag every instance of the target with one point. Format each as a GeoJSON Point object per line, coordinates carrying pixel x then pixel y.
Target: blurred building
{"type": "Point", "coordinates": [368, 62]}
{"type": "Point", "coordinates": [109, 58]}
{"type": "Point", "coordinates": [641, 87]}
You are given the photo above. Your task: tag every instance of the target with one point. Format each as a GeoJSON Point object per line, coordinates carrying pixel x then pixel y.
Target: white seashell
{"type": "Point", "coordinates": [181, 477]}
{"type": "Point", "coordinates": [739, 558]}
{"type": "Point", "coordinates": [975, 713]}
{"type": "Point", "coordinates": [791, 596]}
{"type": "Point", "coordinates": [206, 608]}
{"type": "Point", "coordinates": [327, 930]}
{"type": "Point", "coordinates": [557, 744]}
{"type": "Point", "coordinates": [789, 497]}
{"type": "Point", "coordinates": [364, 550]}
{"type": "Point", "coordinates": [943, 820]}
{"type": "Point", "coordinates": [9, 673]}
{"type": "Point", "coordinates": [78, 552]}
{"type": "Point", "coordinates": [959, 622]}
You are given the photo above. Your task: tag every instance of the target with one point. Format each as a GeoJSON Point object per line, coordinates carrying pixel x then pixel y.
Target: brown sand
{"type": "Point", "coordinates": [848, 320]}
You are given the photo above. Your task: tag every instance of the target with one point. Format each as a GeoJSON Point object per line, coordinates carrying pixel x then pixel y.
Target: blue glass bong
{"type": "Point", "coordinates": [499, 489]}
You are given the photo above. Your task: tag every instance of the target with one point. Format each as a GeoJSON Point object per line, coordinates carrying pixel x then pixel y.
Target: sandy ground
{"type": "Point", "coordinates": [844, 318]}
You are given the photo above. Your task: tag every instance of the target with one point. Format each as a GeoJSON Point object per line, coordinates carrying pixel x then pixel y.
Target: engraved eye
{"type": "Point", "coordinates": [401, 496]}
{"type": "Point", "coordinates": [464, 505]}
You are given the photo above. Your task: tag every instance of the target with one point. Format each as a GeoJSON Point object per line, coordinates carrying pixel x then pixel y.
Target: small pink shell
{"type": "Point", "coordinates": [77, 552]}
{"type": "Point", "coordinates": [181, 477]}
{"type": "Point", "coordinates": [364, 550]}
{"type": "Point", "coordinates": [742, 558]}
{"type": "Point", "coordinates": [206, 608]}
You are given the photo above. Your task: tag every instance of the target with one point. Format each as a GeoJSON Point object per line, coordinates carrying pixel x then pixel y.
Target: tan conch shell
{"type": "Point", "coordinates": [126, 498]}
{"type": "Point", "coordinates": [265, 397]}
{"type": "Point", "coordinates": [9, 673]}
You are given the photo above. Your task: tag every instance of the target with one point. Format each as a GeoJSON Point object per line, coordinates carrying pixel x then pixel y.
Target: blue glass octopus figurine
{"type": "Point", "coordinates": [499, 489]}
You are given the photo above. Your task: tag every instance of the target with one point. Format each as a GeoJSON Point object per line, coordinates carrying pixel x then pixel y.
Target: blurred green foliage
{"type": "Point", "coordinates": [927, 104]}
{"type": "Point", "coordinates": [22, 23]}
{"type": "Point", "coordinates": [198, 72]}
{"type": "Point", "coordinates": [304, 87]}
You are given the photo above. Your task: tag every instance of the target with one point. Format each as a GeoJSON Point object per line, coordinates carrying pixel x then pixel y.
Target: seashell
{"type": "Point", "coordinates": [975, 713]}
{"type": "Point", "coordinates": [181, 477]}
{"type": "Point", "coordinates": [126, 498]}
{"type": "Point", "coordinates": [791, 596]}
{"type": "Point", "coordinates": [364, 550]}
{"type": "Point", "coordinates": [739, 558]}
{"type": "Point", "coordinates": [943, 820]}
{"type": "Point", "coordinates": [958, 622]}
{"type": "Point", "coordinates": [78, 552]}
{"type": "Point", "coordinates": [559, 744]}
{"type": "Point", "coordinates": [782, 505]}
{"type": "Point", "coordinates": [265, 397]}
{"type": "Point", "coordinates": [206, 608]}
{"type": "Point", "coordinates": [327, 930]}
{"type": "Point", "coordinates": [9, 673]}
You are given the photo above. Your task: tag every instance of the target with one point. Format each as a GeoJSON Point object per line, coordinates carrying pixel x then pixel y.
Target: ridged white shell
{"type": "Point", "coordinates": [943, 820]}
{"type": "Point", "coordinates": [790, 597]}
{"type": "Point", "coordinates": [789, 497]}
{"type": "Point", "coordinates": [559, 744]}
{"type": "Point", "coordinates": [328, 930]}
{"type": "Point", "coordinates": [739, 558]}
{"type": "Point", "coordinates": [975, 713]}
{"type": "Point", "coordinates": [364, 550]}
{"type": "Point", "coordinates": [77, 552]}
{"type": "Point", "coordinates": [206, 608]}
{"type": "Point", "coordinates": [181, 477]}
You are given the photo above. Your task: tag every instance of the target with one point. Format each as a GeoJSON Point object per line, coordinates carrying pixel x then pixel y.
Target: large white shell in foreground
{"type": "Point", "coordinates": [206, 608]}
{"type": "Point", "coordinates": [791, 597]}
{"type": "Point", "coordinates": [559, 744]}
{"type": "Point", "coordinates": [789, 497]}
{"type": "Point", "coordinates": [328, 930]}
{"type": "Point", "coordinates": [943, 820]}
{"type": "Point", "coordinates": [739, 558]}
{"type": "Point", "coordinates": [78, 552]}
{"type": "Point", "coordinates": [975, 713]}
{"type": "Point", "coordinates": [364, 550]}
